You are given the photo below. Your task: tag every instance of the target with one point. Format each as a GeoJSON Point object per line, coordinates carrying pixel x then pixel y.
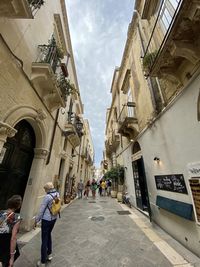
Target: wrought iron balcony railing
{"type": "Point", "coordinates": [127, 112]}
{"type": "Point", "coordinates": [35, 5]}
{"type": "Point", "coordinates": [76, 122]}
{"type": "Point", "coordinates": [24, 9]}
{"type": "Point", "coordinates": [50, 54]}
{"type": "Point", "coordinates": [163, 22]}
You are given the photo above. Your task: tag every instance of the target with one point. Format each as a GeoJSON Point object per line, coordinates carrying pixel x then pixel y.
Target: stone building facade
{"type": "Point", "coordinates": [86, 154]}
{"type": "Point", "coordinates": [41, 113]}
{"type": "Point", "coordinates": [157, 89]}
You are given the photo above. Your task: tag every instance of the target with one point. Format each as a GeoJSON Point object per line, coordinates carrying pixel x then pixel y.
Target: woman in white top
{"type": "Point", "coordinates": [48, 221]}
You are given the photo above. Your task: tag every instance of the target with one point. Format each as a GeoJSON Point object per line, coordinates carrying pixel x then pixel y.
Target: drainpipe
{"type": "Point", "coordinates": [52, 137]}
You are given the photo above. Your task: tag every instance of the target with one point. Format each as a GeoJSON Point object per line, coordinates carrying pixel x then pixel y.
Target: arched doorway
{"type": "Point", "coordinates": [141, 190]}
{"type": "Point", "coordinates": [16, 163]}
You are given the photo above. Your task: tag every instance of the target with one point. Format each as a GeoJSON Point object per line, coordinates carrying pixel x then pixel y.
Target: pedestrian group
{"type": "Point", "coordinates": [48, 213]}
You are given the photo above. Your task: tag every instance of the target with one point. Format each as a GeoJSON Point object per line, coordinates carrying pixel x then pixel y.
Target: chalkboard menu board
{"type": "Point", "coordinates": [172, 182]}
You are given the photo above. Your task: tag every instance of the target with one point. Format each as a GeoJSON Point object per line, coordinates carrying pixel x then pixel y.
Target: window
{"type": "Point", "coordinates": [167, 13]}
{"type": "Point", "coordinates": [130, 108]}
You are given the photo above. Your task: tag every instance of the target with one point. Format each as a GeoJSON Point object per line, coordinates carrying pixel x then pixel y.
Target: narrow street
{"type": "Point", "coordinates": [92, 233]}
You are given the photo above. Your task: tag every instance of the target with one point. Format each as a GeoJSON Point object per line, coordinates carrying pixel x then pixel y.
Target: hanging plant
{"type": "Point", "coordinates": [60, 52]}
{"type": "Point", "coordinates": [148, 60]}
{"type": "Point", "coordinates": [66, 87]}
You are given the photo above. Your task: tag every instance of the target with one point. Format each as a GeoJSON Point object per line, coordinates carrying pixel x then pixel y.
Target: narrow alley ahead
{"type": "Point", "coordinates": [97, 233]}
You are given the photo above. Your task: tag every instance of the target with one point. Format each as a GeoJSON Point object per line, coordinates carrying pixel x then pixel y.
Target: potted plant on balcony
{"type": "Point", "coordinates": [148, 60]}
{"type": "Point", "coordinates": [60, 52]}
{"type": "Point", "coordinates": [66, 87]}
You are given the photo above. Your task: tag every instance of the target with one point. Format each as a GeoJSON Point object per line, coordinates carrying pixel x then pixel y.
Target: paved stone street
{"type": "Point", "coordinates": [93, 233]}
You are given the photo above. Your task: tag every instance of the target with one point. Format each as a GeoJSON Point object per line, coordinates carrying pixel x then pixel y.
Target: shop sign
{"type": "Point", "coordinates": [171, 182]}
{"type": "Point", "coordinates": [194, 169]}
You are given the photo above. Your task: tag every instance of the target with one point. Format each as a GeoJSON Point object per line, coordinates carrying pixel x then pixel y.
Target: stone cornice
{"type": "Point", "coordinates": [7, 130]}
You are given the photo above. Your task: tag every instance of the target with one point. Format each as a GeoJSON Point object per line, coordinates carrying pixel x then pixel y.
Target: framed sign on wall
{"type": "Point", "coordinates": [171, 182]}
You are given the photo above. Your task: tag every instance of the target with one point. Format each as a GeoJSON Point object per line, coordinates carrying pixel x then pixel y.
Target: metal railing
{"type": "Point", "coordinates": [164, 20]}
{"type": "Point", "coordinates": [35, 5]}
{"type": "Point", "coordinates": [50, 54]}
{"type": "Point", "coordinates": [76, 122]}
{"type": "Point", "coordinates": [127, 111]}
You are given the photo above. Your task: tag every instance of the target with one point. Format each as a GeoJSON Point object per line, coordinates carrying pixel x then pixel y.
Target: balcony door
{"type": "Point", "coordinates": [130, 109]}
{"type": "Point", "coordinates": [15, 164]}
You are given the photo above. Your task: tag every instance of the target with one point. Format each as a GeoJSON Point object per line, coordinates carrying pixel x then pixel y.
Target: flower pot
{"type": "Point", "coordinates": [113, 193]}
{"type": "Point", "coordinates": [119, 196]}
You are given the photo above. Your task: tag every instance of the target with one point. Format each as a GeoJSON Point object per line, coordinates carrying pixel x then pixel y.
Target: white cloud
{"type": "Point", "coordinates": [98, 31]}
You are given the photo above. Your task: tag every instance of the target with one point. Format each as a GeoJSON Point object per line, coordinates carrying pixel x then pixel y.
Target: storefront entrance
{"type": "Point", "coordinates": [141, 191]}
{"type": "Point", "coordinates": [18, 153]}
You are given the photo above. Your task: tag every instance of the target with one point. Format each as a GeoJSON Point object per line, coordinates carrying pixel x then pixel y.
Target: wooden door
{"type": "Point", "coordinates": [16, 163]}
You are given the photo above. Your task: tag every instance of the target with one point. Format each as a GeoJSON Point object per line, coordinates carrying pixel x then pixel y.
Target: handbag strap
{"type": "Point", "coordinates": [6, 219]}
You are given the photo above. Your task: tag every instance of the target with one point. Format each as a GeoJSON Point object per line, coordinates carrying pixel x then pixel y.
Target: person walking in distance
{"type": "Point", "coordinates": [80, 187]}
{"type": "Point", "coordinates": [48, 221]}
{"type": "Point", "coordinates": [109, 184]}
{"type": "Point", "coordinates": [87, 189]}
{"type": "Point", "coordinates": [9, 227]}
{"type": "Point", "coordinates": [93, 188]}
{"type": "Point", "coordinates": [100, 188]}
{"type": "Point", "coordinates": [103, 185]}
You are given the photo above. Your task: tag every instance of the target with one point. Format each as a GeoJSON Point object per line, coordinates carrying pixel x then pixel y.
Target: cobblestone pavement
{"type": "Point", "coordinates": [91, 233]}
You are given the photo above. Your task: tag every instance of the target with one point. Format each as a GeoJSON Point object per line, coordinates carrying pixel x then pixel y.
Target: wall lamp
{"type": "Point", "coordinates": [156, 159]}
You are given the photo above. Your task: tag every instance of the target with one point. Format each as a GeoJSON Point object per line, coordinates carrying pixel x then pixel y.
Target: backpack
{"type": "Point", "coordinates": [56, 205]}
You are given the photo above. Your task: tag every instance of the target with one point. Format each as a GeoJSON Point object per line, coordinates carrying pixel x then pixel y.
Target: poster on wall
{"type": "Point", "coordinates": [194, 169]}
{"type": "Point", "coordinates": [171, 182]}
{"type": "Point", "coordinates": [195, 189]}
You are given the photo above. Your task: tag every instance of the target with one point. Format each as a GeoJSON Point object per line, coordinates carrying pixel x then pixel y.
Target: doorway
{"type": "Point", "coordinates": [140, 185]}
{"type": "Point", "coordinates": [141, 190]}
{"type": "Point", "coordinates": [16, 163]}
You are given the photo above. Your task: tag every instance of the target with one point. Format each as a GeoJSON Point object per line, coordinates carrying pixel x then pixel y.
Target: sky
{"type": "Point", "coordinates": [98, 30]}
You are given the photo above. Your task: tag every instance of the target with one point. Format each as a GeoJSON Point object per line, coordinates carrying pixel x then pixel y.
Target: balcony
{"type": "Point", "coordinates": [23, 9]}
{"type": "Point", "coordinates": [88, 158]}
{"type": "Point", "coordinates": [115, 139]}
{"type": "Point", "coordinates": [73, 129]}
{"type": "Point", "coordinates": [84, 153]}
{"type": "Point", "coordinates": [128, 126]}
{"type": "Point", "coordinates": [172, 51]}
{"type": "Point", "coordinates": [105, 164]}
{"type": "Point", "coordinates": [45, 73]}
{"type": "Point", "coordinates": [108, 146]}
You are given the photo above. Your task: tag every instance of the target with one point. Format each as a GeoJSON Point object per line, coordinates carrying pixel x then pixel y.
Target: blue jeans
{"type": "Point", "coordinates": [46, 247]}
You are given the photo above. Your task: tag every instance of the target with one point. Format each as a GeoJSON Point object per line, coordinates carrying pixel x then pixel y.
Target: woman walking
{"type": "Point", "coordinates": [48, 221]}
{"type": "Point", "coordinates": [93, 188]}
{"type": "Point", "coordinates": [9, 227]}
{"type": "Point", "coordinates": [87, 189]}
